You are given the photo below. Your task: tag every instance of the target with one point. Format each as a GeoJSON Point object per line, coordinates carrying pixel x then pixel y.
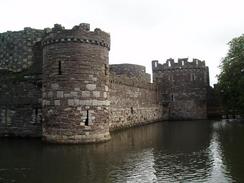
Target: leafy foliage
{"type": "Point", "coordinates": [231, 78]}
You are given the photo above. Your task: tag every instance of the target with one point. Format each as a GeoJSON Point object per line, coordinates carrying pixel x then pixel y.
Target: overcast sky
{"type": "Point", "coordinates": [141, 30]}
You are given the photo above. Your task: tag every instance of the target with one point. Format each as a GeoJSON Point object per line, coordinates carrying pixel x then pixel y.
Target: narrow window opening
{"type": "Point", "coordinates": [87, 118]}
{"type": "Point", "coordinates": [172, 98]}
{"type": "Point", "coordinates": [59, 68]}
{"type": "Point", "coordinates": [169, 64]}
{"type": "Point", "coordinates": [171, 78]}
{"type": "Point", "coordinates": [183, 62]}
{"type": "Point", "coordinates": [193, 77]}
{"type": "Point", "coordinates": [106, 69]}
{"type": "Point", "coordinates": [155, 64]}
{"type": "Point", "coordinates": [36, 115]}
{"type": "Point", "coordinates": [131, 110]}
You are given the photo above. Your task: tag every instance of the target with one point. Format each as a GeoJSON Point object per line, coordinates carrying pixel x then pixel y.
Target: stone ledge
{"type": "Point", "coordinates": [77, 139]}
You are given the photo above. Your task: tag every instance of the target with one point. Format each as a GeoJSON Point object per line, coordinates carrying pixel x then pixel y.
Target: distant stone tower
{"type": "Point", "coordinates": [183, 87]}
{"type": "Point", "coordinates": [75, 85]}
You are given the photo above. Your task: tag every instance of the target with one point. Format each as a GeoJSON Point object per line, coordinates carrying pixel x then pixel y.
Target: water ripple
{"type": "Point", "coordinates": [164, 152]}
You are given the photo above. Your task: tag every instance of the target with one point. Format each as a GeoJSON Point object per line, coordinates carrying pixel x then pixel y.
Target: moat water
{"type": "Point", "coordinates": [194, 151]}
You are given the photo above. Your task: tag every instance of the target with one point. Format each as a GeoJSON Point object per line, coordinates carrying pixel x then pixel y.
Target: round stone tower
{"type": "Point", "coordinates": [75, 85]}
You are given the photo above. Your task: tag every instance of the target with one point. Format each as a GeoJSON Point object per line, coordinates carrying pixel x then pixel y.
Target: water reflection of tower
{"type": "Point", "coordinates": [181, 152]}
{"type": "Point", "coordinates": [218, 168]}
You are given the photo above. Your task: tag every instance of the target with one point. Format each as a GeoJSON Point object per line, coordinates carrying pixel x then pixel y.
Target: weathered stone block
{"type": "Point", "coordinates": [91, 86]}
{"type": "Point", "coordinates": [76, 102]}
{"type": "Point", "coordinates": [47, 102]}
{"type": "Point", "coordinates": [105, 94]}
{"type": "Point", "coordinates": [67, 95]}
{"type": "Point", "coordinates": [94, 79]}
{"type": "Point", "coordinates": [71, 102]}
{"type": "Point", "coordinates": [60, 94]}
{"type": "Point", "coordinates": [77, 89]}
{"type": "Point", "coordinates": [50, 94]}
{"type": "Point", "coordinates": [85, 102]}
{"type": "Point", "coordinates": [85, 93]}
{"type": "Point", "coordinates": [55, 86]}
{"type": "Point", "coordinates": [74, 94]}
{"type": "Point", "coordinates": [57, 102]}
{"type": "Point", "coordinates": [96, 93]}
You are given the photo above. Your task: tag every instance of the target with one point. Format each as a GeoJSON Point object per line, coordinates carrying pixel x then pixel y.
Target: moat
{"type": "Point", "coordinates": [189, 151]}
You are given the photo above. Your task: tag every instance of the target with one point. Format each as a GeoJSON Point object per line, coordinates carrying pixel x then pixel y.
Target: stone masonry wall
{"type": "Point", "coordinates": [16, 48]}
{"type": "Point", "coordinates": [133, 103]}
{"type": "Point", "coordinates": [20, 105]}
{"type": "Point", "coordinates": [183, 87]}
{"type": "Point", "coordinates": [131, 71]}
{"type": "Point", "coordinates": [20, 83]}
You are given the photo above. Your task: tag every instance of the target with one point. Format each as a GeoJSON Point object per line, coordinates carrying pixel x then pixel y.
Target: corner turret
{"type": "Point", "coordinates": [75, 85]}
{"type": "Point", "coordinates": [183, 87]}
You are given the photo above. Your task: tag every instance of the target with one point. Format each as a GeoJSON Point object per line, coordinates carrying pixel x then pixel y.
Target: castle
{"type": "Point", "coordinates": [57, 84]}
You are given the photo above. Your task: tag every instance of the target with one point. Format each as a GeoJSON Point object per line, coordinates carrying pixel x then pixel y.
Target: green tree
{"type": "Point", "coordinates": [231, 78]}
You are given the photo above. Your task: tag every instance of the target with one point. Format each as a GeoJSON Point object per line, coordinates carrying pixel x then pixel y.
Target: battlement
{"type": "Point", "coordinates": [79, 34]}
{"type": "Point", "coordinates": [181, 64]}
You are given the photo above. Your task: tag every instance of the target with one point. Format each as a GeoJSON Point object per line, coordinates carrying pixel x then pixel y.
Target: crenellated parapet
{"type": "Point", "coordinates": [183, 87]}
{"type": "Point", "coordinates": [182, 63]}
{"type": "Point", "coordinates": [183, 71]}
{"type": "Point", "coordinates": [78, 34]}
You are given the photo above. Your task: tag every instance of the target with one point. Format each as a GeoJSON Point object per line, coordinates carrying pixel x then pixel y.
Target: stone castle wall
{"type": "Point", "coordinates": [20, 83]}
{"type": "Point", "coordinates": [20, 105]}
{"type": "Point", "coordinates": [57, 83]}
{"type": "Point", "coordinates": [131, 71]}
{"type": "Point", "coordinates": [17, 48]}
{"type": "Point", "coordinates": [133, 100]}
{"type": "Point", "coordinates": [183, 86]}
{"type": "Point", "coordinates": [57, 86]}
